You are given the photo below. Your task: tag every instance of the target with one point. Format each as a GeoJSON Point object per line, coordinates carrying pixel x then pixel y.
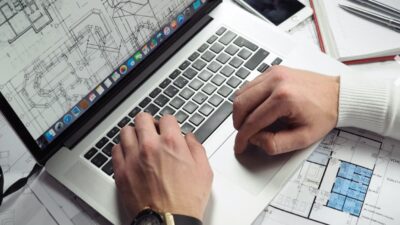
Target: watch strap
{"type": "Point", "coordinates": [186, 220]}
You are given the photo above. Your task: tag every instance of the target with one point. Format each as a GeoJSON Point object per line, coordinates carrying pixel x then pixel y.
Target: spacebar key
{"type": "Point", "coordinates": [214, 122]}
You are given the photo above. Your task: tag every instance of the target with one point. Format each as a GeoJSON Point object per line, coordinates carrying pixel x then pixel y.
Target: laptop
{"type": "Point", "coordinates": [73, 73]}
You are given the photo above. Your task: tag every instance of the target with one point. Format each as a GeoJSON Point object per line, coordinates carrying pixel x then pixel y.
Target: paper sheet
{"type": "Point", "coordinates": [352, 178]}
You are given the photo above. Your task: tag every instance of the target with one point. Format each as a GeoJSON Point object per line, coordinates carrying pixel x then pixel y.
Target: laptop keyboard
{"type": "Point", "coordinates": [199, 93]}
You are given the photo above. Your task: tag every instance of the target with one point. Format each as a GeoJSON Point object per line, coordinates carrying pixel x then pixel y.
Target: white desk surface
{"type": "Point", "coordinates": [65, 207]}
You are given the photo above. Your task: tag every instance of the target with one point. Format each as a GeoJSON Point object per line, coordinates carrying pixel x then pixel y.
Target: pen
{"type": "Point", "coordinates": [390, 22]}
{"type": "Point", "coordinates": [379, 6]}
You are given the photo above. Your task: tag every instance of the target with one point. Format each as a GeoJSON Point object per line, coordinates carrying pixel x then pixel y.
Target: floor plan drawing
{"type": "Point", "coordinates": [54, 52]}
{"type": "Point", "coordinates": [351, 178]}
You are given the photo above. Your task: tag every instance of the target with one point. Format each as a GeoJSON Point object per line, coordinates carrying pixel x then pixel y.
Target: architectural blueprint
{"type": "Point", "coordinates": [353, 177]}
{"type": "Point", "coordinates": [54, 52]}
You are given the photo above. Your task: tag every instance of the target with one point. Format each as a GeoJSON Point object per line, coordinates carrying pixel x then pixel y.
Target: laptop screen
{"type": "Point", "coordinates": [58, 58]}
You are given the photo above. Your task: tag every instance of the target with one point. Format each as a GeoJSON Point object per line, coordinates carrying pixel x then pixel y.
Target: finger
{"type": "Point", "coordinates": [170, 132]}
{"type": "Point", "coordinates": [118, 160]}
{"type": "Point", "coordinates": [266, 114]}
{"type": "Point", "coordinates": [196, 149]}
{"type": "Point", "coordinates": [251, 84]}
{"type": "Point", "coordinates": [282, 141]}
{"type": "Point", "coordinates": [145, 127]}
{"type": "Point", "coordinates": [129, 142]}
{"type": "Point", "coordinates": [249, 100]}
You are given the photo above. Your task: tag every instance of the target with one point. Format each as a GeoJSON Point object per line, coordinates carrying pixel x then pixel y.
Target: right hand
{"type": "Point", "coordinates": [306, 102]}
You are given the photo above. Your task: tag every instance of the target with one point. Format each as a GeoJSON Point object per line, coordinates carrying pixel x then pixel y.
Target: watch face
{"type": "Point", "coordinates": [149, 220]}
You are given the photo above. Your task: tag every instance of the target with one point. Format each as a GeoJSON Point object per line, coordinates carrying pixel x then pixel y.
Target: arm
{"type": "Point", "coordinates": [307, 105]}
{"type": "Point", "coordinates": [370, 103]}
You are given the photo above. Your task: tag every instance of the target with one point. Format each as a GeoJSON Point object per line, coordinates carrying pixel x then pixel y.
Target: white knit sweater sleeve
{"type": "Point", "coordinates": [370, 103]}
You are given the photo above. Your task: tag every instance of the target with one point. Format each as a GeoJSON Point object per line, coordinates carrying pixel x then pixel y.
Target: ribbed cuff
{"type": "Point", "coordinates": [363, 103]}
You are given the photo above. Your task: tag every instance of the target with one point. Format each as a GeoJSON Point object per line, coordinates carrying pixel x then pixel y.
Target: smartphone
{"type": "Point", "coordinates": [286, 14]}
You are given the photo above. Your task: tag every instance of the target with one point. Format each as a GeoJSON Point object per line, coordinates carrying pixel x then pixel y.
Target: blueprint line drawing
{"type": "Point", "coordinates": [351, 178]}
{"type": "Point", "coordinates": [54, 52]}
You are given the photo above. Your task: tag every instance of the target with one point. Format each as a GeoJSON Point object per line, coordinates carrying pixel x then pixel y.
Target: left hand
{"type": "Point", "coordinates": [157, 167]}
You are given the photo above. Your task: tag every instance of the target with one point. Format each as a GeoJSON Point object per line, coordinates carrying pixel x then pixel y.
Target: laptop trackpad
{"type": "Point", "coordinates": [252, 170]}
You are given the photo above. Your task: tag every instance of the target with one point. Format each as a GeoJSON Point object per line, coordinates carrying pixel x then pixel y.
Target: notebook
{"type": "Point", "coordinates": [352, 39]}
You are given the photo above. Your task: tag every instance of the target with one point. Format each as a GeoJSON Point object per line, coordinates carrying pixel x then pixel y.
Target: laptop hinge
{"type": "Point", "coordinates": [118, 98]}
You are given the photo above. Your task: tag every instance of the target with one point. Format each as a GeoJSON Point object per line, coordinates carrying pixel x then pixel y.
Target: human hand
{"type": "Point", "coordinates": [156, 167]}
{"type": "Point", "coordinates": [305, 102]}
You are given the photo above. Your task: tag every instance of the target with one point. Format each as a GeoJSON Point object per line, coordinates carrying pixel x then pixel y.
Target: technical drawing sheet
{"type": "Point", "coordinates": [352, 178]}
{"type": "Point", "coordinates": [54, 52]}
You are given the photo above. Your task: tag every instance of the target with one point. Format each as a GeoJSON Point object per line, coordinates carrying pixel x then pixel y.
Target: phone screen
{"type": "Point", "coordinates": [276, 11]}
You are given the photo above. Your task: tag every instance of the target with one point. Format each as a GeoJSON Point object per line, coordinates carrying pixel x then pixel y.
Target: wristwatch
{"type": "Point", "coordinates": [150, 217]}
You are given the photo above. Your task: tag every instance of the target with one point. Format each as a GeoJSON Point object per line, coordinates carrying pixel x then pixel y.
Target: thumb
{"type": "Point", "coordinates": [282, 141]}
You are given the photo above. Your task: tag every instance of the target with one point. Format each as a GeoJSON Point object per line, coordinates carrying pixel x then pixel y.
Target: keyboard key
{"type": "Point", "coordinates": [242, 73]}
{"type": "Point", "coordinates": [167, 111]}
{"type": "Point", "coordinates": [217, 48]}
{"type": "Point", "coordinates": [181, 116]}
{"type": "Point", "coordinates": [206, 109]}
{"type": "Point", "coordinates": [199, 64]}
{"type": "Point", "coordinates": [208, 56]}
{"type": "Point", "coordinates": [124, 121]}
{"type": "Point", "coordinates": [108, 149]}
{"type": "Point", "coordinates": [194, 56]}
{"type": "Point", "coordinates": [277, 61]}
{"type": "Point", "coordinates": [90, 153]}
{"type": "Point", "coordinates": [218, 80]}
{"type": "Point", "coordinates": [155, 92]}
{"type": "Point", "coordinates": [116, 140]}
{"type": "Point", "coordinates": [214, 67]}
{"type": "Point", "coordinates": [112, 132]}
{"type": "Point", "coordinates": [220, 31]}
{"type": "Point", "coordinates": [187, 128]}
{"type": "Point", "coordinates": [174, 74]}
{"type": "Point", "coordinates": [236, 62]}
{"type": "Point", "coordinates": [209, 89]}
{"type": "Point", "coordinates": [213, 122]}
{"type": "Point", "coordinates": [101, 143]}
{"type": "Point", "coordinates": [256, 59]}
{"type": "Point", "coordinates": [177, 102]}
{"type": "Point", "coordinates": [181, 82]}
{"type": "Point", "coordinates": [190, 107]}
{"type": "Point", "coordinates": [227, 38]}
{"type": "Point", "coordinates": [190, 73]}
{"type": "Point", "coordinates": [196, 119]}
{"type": "Point", "coordinates": [263, 67]}
{"type": "Point", "coordinates": [196, 84]}
{"type": "Point", "coordinates": [157, 118]}
{"type": "Point", "coordinates": [227, 71]}
{"type": "Point", "coordinates": [212, 39]}
{"type": "Point", "coordinates": [231, 50]}
{"type": "Point", "coordinates": [234, 82]}
{"type": "Point", "coordinates": [244, 54]}
{"type": "Point", "coordinates": [203, 47]}
{"type": "Point", "coordinates": [184, 65]}
{"type": "Point", "coordinates": [145, 102]}
{"type": "Point", "coordinates": [99, 160]}
{"type": "Point", "coordinates": [241, 42]}
{"type": "Point", "coordinates": [171, 91]}
{"type": "Point", "coordinates": [152, 109]}
{"type": "Point", "coordinates": [108, 168]}
{"type": "Point", "coordinates": [186, 93]}
{"type": "Point", "coordinates": [199, 98]}
{"type": "Point", "coordinates": [225, 91]}
{"type": "Point", "coordinates": [205, 75]}
{"type": "Point", "coordinates": [134, 112]}
{"type": "Point", "coordinates": [165, 83]}
{"type": "Point", "coordinates": [215, 100]}
{"type": "Point", "coordinates": [223, 58]}
{"type": "Point", "coordinates": [161, 100]}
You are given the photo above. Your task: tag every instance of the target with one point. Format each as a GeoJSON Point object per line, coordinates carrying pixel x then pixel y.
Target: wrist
{"type": "Point", "coordinates": [150, 217]}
